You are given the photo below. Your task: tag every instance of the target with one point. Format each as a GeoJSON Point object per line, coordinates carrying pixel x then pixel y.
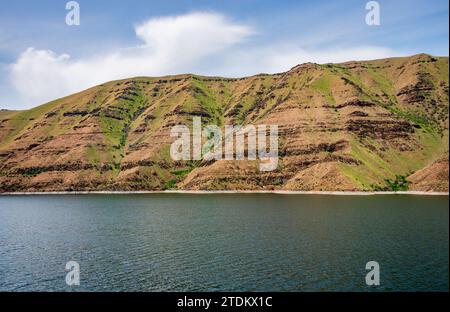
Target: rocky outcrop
{"type": "Point", "coordinates": [433, 178]}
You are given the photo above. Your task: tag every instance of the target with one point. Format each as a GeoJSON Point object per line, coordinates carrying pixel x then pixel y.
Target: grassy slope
{"type": "Point", "coordinates": [152, 103]}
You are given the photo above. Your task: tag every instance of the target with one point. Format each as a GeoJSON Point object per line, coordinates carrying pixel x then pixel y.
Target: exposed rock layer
{"type": "Point", "coordinates": [347, 126]}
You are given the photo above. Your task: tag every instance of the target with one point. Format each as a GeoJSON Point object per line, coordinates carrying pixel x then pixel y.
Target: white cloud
{"type": "Point", "coordinates": [204, 43]}
{"type": "Point", "coordinates": [170, 45]}
{"type": "Point", "coordinates": [283, 56]}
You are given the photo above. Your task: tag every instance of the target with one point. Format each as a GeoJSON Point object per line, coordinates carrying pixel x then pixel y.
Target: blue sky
{"type": "Point", "coordinates": [42, 58]}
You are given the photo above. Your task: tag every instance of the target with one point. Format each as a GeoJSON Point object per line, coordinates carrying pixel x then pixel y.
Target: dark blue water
{"type": "Point", "coordinates": [245, 242]}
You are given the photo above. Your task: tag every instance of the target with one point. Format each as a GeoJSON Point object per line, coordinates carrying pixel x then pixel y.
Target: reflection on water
{"type": "Point", "coordinates": [233, 242]}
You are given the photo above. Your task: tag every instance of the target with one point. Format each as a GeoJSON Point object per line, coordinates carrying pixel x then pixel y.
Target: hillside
{"type": "Point", "coordinates": [372, 125]}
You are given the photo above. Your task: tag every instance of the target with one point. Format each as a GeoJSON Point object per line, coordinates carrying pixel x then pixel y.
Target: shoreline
{"type": "Point", "coordinates": [280, 192]}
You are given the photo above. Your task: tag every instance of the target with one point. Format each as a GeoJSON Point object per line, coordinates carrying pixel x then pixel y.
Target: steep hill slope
{"type": "Point", "coordinates": [351, 126]}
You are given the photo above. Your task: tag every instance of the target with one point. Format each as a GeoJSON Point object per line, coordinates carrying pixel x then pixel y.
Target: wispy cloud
{"type": "Point", "coordinates": [285, 55]}
{"type": "Point", "coordinates": [169, 45]}
{"type": "Point", "coordinates": [205, 43]}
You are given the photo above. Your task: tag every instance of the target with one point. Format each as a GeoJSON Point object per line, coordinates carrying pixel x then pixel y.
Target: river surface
{"type": "Point", "coordinates": [224, 242]}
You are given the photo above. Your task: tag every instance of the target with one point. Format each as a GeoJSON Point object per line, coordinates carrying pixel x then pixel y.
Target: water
{"type": "Point", "coordinates": [229, 242]}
